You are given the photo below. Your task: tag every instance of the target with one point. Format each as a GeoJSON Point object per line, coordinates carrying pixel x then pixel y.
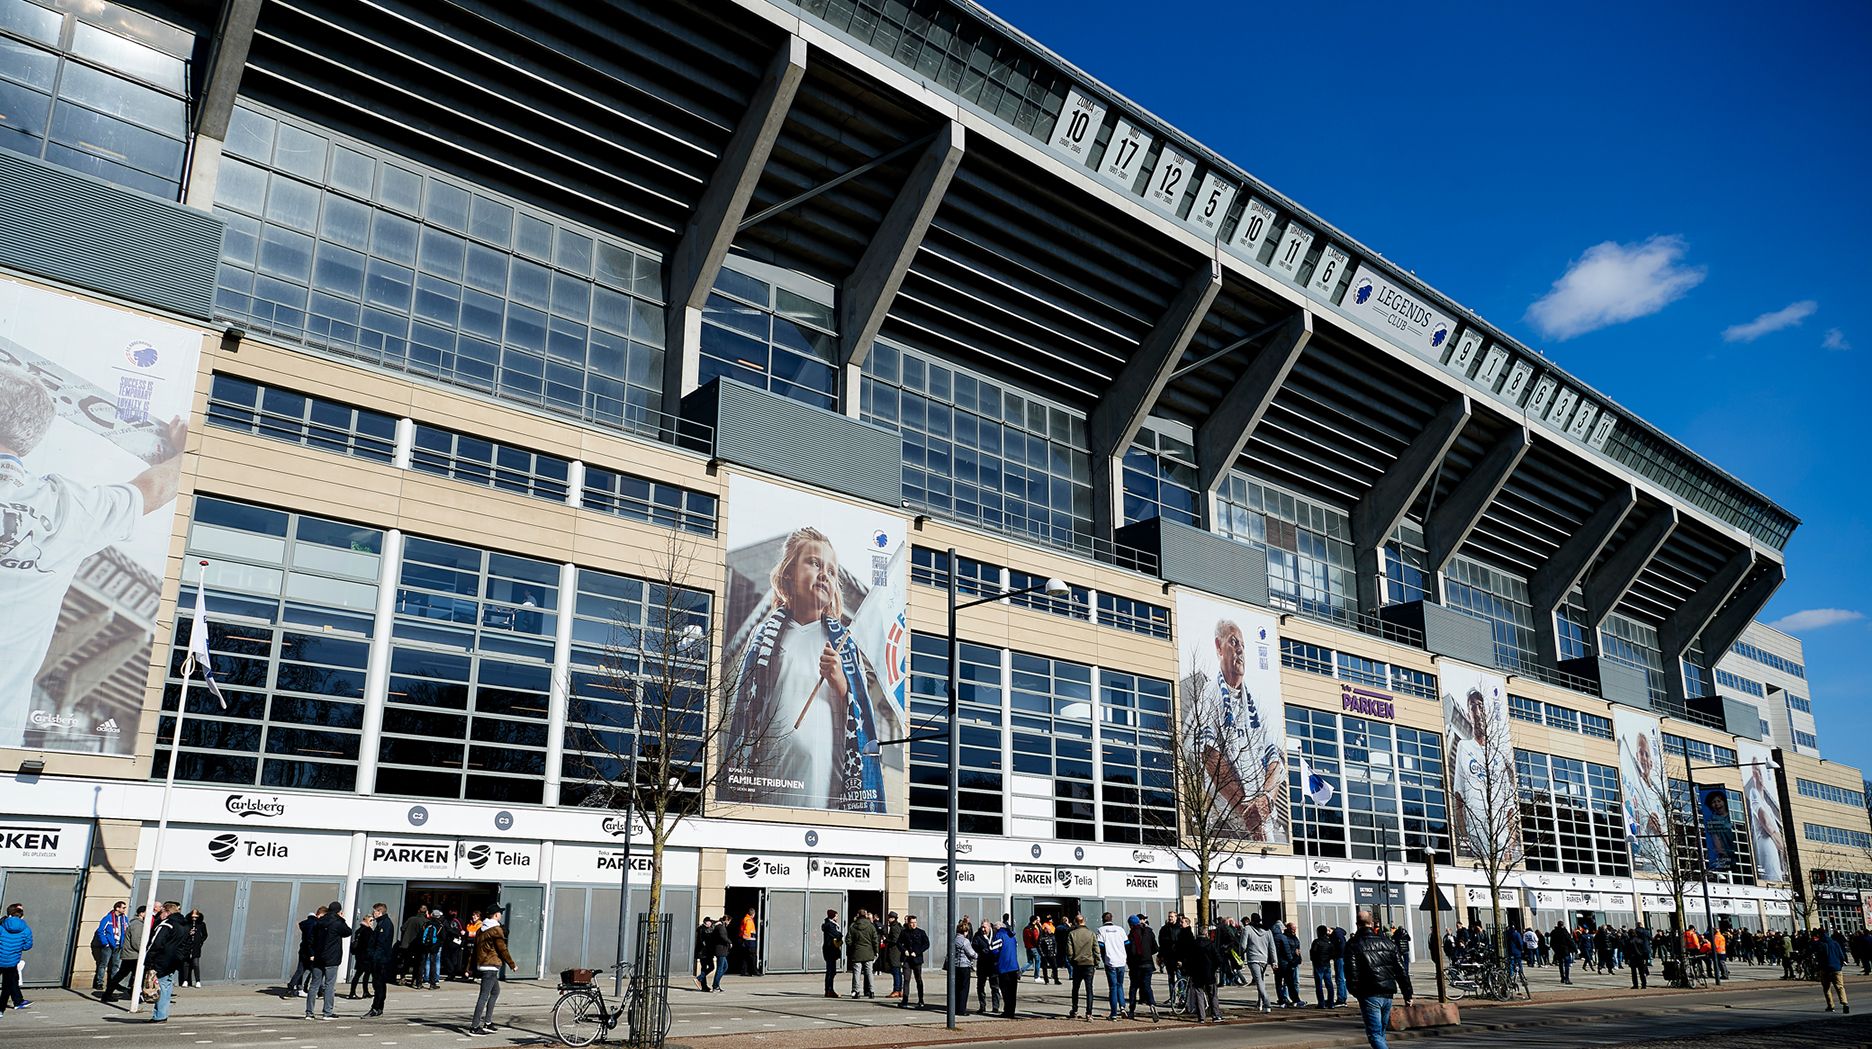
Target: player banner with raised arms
{"type": "Point", "coordinates": [93, 408]}
{"type": "Point", "coordinates": [816, 658]}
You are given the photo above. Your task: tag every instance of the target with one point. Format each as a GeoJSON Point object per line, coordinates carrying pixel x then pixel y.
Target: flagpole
{"type": "Point", "coordinates": [162, 823]}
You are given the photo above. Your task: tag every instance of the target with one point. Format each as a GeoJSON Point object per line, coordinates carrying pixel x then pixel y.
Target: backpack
{"type": "Point", "coordinates": [430, 934]}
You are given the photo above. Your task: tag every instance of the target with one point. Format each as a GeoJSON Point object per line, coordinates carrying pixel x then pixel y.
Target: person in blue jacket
{"type": "Point", "coordinates": [15, 940]}
{"type": "Point", "coordinates": [107, 945]}
{"type": "Point", "coordinates": [1007, 958]}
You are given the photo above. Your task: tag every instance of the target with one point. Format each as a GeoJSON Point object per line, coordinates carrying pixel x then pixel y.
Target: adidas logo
{"type": "Point", "coordinates": [108, 728]}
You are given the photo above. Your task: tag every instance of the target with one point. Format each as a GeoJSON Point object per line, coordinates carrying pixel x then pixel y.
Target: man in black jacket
{"type": "Point", "coordinates": [914, 944]}
{"type": "Point", "coordinates": [1638, 956]}
{"type": "Point", "coordinates": [1374, 974]}
{"type": "Point", "coordinates": [167, 940]}
{"type": "Point", "coordinates": [1563, 948]}
{"type": "Point", "coordinates": [1170, 950]}
{"type": "Point", "coordinates": [381, 956]}
{"type": "Point", "coordinates": [322, 960]}
{"type": "Point", "coordinates": [295, 987]}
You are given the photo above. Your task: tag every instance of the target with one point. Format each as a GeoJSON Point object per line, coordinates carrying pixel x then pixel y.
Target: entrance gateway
{"type": "Point", "coordinates": [789, 896]}
{"type": "Point", "coordinates": [460, 877]}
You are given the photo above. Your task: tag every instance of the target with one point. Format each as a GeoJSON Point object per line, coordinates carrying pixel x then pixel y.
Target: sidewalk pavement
{"type": "Point", "coordinates": [784, 1011]}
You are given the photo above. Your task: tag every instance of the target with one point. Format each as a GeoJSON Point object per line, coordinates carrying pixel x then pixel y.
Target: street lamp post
{"type": "Point", "coordinates": [1053, 588]}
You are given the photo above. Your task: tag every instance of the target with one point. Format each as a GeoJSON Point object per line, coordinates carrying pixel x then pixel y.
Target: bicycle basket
{"type": "Point", "coordinates": [576, 977]}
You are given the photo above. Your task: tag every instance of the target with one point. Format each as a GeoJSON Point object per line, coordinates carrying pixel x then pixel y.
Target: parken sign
{"type": "Point", "coordinates": [29, 844]}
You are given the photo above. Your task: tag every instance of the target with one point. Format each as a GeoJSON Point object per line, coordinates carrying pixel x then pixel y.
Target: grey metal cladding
{"type": "Point", "coordinates": [781, 436]}
{"type": "Point", "coordinates": [1456, 635]}
{"type": "Point", "coordinates": [1203, 560]}
{"type": "Point", "coordinates": [1741, 718]}
{"type": "Point", "coordinates": [1620, 683]}
{"type": "Point", "coordinates": [78, 230]}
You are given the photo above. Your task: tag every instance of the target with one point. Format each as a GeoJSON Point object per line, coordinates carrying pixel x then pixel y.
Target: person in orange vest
{"type": "Point", "coordinates": [1719, 945]}
{"type": "Point", "coordinates": [1692, 948]}
{"type": "Point", "coordinates": [750, 942]}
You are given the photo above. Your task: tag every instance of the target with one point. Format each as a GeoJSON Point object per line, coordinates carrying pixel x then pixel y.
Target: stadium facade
{"type": "Point", "coordinates": [505, 332]}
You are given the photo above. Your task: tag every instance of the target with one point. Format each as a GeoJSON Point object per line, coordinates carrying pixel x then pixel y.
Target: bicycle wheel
{"type": "Point", "coordinates": [1518, 987]}
{"type": "Point", "coordinates": [1495, 984]}
{"type": "Point", "coordinates": [1456, 986]}
{"type": "Point", "coordinates": [579, 1017]}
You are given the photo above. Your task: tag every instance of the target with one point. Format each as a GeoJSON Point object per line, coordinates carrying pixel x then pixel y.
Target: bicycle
{"type": "Point", "coordinates": [581, 1016]}
{"type": "Point", "coordinates": [1177, 994]}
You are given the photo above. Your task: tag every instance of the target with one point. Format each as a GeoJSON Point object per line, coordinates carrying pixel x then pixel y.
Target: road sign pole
{"type": "Point", "coordinates": [1435, 900]}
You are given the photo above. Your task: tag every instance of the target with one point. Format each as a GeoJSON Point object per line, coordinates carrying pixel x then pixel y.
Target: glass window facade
{"type": "Point", "coordinates": [625, 652]}
{"type": "Point", "coordinates": [1768, 659]}
{"type": "Point", "coordinates": [290, 601]}
{"type": "Point", "coordinates": [1307, 543]}
{"type": "Point", "coordinates": [1407, 566]}
{"type": "Point", "coordinates": [1852, 839]}
{"type": "Point", "coordinates": [1390, 803]}
{"type": "Point", "coordinates": [470, 671]}
{"type": "Point", "coordinates": [1051, 731]}
{"type": "Point", "coordinates": [1573, 636]}
{"type": "Point", "coordinates": [1740, 684]}
{"type": "Point", "coordinates": [476, 460]}
{"type": "Point", "coordinates": [1159, 477]}
{"type": "Point", "coordinates": [1138, 790]}
{"type": "Point", "coordinates": [282, 415]}
{"type": "Point", "coordinates": [1636, 645]}
{"type": "Point", "coordinates": [102, 89]}
{"type": "Point", "coordinates": [1572, 820]}
{"type": "Point", "coordinates": [1498, 599]}
{"type": "Point", "coordinates": [1828, 792]}
{"type": "Point", "coordinates": [773, 338]}
{"type": "Point", "coordinates": [641, 499]}
{"type": "Point", "coordinates": [1139, 617]}
{"type": "Point", "coordinates": [980, 451]}
{"type": "Point", "coordinates": [983, 797]}
{"type": "Point", "coordinates": [350, 249]}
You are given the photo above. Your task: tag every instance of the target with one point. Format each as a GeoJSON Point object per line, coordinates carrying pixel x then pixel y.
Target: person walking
{"type": "Point", "coordinates": [295, 986]}
{"type": "Point", "coordinates": [1400, 938]}
{"type": "Point", "coordinates": [1321, 954]}
{"type": "Point", "coordinates": [893, 952]}
{"type": "Point", "coordinates": [490, 955]}
{"type": "Point", "coordinates": [831, 948]}
{"type": "Point", "coordinates": [409, 945]}
{"type": "Point", "coordinates": [165, 949]}
{"type": "Point", "coordinates": [434, 936]}
{"type": "Point", "coordinates": [136, 930]}
{"type": "Point", "coordinates": [1112, 958]}
{"type": "Point", "coordinates": [197, 929]}
{"type": "Point", "coordinates": [913, 945]}
{"type": "Point", "coordinates": [1140, 956]}
{"type": "Point", "coordinates": [1828, 959]}
{"type": "Point", "coordinates": [704, 959]}
{"type": "Point", "coordinates": [1517, 952]}
{"type": "Point", "coordinates": [1030, 940]}
{"type": "Point", "coordinates": [469, 930]}
{"type": "Point", "coordinates": [861, 951]}
{"type": "Point", "coordinates": [1638, 956]}
{"type": "Point", "coordinates": [328, 940]}
{"type": "Point", "coordinates": [962, 957]}
{"type": "Point", "coordinates": [1201, 963]}
{"type": "Point", "coordinates": [1169, 939]}
{"type": "Point", "coordinates": [452, 947]}
{"type": "Point", "coordinates": [1257, 950]}
{"type": "Point", "coordinates": [1339, 942]}
{"type": "Point", "coordinates": [1375, 975]}
{"type": "Point", "coordinates": [16, 938]}
{"type": "Point", "coordinates": [362, 938]}
{"type": "Point", "coordinates": [381, 957]}
{"type": "Point", "coordinates": [721, 939]}
{"type": "Point", "coordinates": [107, 944]}
{"type": "Point", "coordinates": [1082, 953]}
{"type": "Point", "coordinates": [1562, 942]}
{"type": "Point", "coordinates": [1049, 951]}
{"type": "Point", "coordinates": [1007, 956]}
{"type": "Point", "coordinates": [1062, 946]}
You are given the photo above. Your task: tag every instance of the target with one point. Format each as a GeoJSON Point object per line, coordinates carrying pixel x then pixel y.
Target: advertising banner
{"type": "Point", "coordinates": [1719, 836]}
{"type": "Point", "coordinates": [817, 651]}
{"type": "Point", "coordinates": [1475, 709]}
{"type": "Point", "coordinates": [1641, 756]}
{"type": "Point", "coordinates": [1233, 723]}
{"type": "Point", "coordinates": [93, 408]}
{"type": "Point", "coordinates": [1762, 800]}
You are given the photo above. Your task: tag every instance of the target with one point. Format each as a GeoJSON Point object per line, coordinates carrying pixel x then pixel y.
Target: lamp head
{"type": "Point", "coordinates": [1058, 588]}
{"type": "Point", "coordinates": [870, 749]}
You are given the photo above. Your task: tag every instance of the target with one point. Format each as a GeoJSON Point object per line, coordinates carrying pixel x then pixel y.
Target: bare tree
{"type": "Point", "coordinates": [1230, 782]}
{"type": "Point", "coordinates": [1666, 845]}
{"type": "Point", "coordinates": [1485, 805]}
{"type": "Point", "coordinates": [643, 702]}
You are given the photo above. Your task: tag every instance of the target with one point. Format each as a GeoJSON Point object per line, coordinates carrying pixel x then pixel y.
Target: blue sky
{"type": "Point", "coordinates": [1670, 200]}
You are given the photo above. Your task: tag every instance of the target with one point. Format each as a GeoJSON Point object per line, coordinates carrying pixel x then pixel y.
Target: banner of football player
{"type": "Point", "coordinates": [1762, 798]}
{"type": "Point", "coordinates": [1484, 805]}
{"type": "Point", "coordinates": [1641, 761]}
{"type": "Point", "coordinates": [1230, 713]}
{"type": "Point", "coordinates": [94, 403]}
{"type": "Point", "coordinates": [817, 651]}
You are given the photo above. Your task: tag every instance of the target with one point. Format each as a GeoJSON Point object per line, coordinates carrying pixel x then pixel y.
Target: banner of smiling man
{"type": "Point", "coordinates": [1230, 712]}
{"type": "Point", "coordinates": [816, 653]}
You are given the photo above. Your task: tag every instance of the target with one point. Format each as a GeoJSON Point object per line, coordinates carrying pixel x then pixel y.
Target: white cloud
{"type": "Point", "coordinates": [1613, 283]}
{"type": "Point", "coordinates": [1816, 618]}
{"type": "Point", "coordinates": [1787, 317]}
{"type": "Point", "coordinates": [1835, 340]}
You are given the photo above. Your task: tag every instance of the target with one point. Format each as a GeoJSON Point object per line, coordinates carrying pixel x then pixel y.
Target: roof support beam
{"type": "Point", "coordinates": [233, 40]}
{"type": "Point", "coordinates": [1380, 511]}
{"type": "Point", "coordinates": [1119, 414]}
{"type": "Point", "coordinates": [1552, 582]}
{"type": "Point", "coordinates": [1222, 436]}
{"type": "Point", "coordinates": [1608, 585]}
{"type": "Point", "coordinates": [1728, 624]}
{"type": "Point", "coordinates": [1684, 626]}
{"type": "Point", "coordinates": [866, 294]}
{"type": "Point", "coordinates": [1452, 520]}
{"type": "Point", "coordinates": [691, 268]}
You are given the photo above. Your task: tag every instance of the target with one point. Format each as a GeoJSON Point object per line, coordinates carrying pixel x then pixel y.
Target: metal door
{"type": "Point", "coordinates": [523, 911]}
{"type": "Point", "coordinates": [783, 916]}
{"type": "Point", "coordinates": [51, 902]}
{"type": "Point", "coordinates": [217, 899]}
{"type": "Point", "coordinates": [268, 928]}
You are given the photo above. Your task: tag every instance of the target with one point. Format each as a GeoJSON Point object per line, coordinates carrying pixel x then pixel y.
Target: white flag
{"type": "Point", "coordinates": [198, 648]}
{"type": "Point", "coordinates": [1317, 789]}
